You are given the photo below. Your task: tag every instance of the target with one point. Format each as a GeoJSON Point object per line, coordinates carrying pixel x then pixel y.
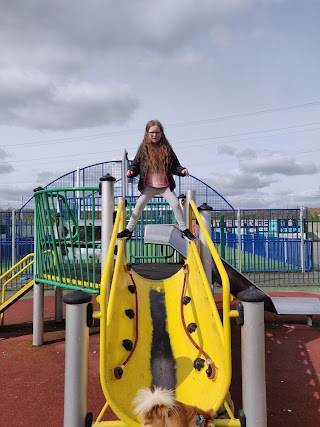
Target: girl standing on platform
{"type": "Point", "coordinates": [156, 163]}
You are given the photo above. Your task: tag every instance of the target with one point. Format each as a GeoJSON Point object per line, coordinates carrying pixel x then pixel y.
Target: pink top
{"type": "Point", "coordinates": [156, 180]}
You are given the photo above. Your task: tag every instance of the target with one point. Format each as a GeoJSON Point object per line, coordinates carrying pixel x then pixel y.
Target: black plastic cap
{"type": "Point", "coordinates": [77, 297]}
{"type": "Point", "coordinates": [252, 294]}
{"type": "Point", "coordinates": [204, 207]}
{"type": "Point", "coordinates": [89, 419]}
{"type": "Point", "coordinates": [38, 189]}
{"type": "Point", "coordinates": [107, 177]}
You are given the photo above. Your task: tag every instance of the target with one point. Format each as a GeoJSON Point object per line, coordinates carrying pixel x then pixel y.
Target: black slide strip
{"type": "Point", "coordinates": [162, 361]}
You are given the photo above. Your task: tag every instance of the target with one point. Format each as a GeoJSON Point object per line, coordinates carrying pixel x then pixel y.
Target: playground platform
{"type": "Point", "coordinates": [32, 378]}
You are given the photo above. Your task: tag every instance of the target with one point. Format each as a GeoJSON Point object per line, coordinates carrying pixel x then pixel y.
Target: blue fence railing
{"type": "Point", "coordinates": [268, 253]}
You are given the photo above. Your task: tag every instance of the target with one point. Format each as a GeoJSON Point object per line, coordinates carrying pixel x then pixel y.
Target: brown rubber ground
{"type": "Point", "coordinates": [32, 379]}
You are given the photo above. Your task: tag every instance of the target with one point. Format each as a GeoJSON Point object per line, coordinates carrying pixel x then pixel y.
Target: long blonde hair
{"type": "Point", "coordinates": [157, 162]}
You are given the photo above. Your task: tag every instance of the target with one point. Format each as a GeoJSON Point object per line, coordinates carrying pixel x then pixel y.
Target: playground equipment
{"type": "Point", "coordinates": [151, 331]}
{"type": "Point", "coordinates": [146, 328]}
{"type": "Point", "coordinates": [158, 322]}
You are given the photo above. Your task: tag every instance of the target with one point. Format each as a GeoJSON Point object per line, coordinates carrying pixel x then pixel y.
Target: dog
{"type": "Point", "coordinates": [159, 408]}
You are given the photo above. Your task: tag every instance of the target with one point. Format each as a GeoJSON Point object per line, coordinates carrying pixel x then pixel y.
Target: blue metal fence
{"type": "Point", "coordinates": [270, 240]}
{"type": "Point", "coordinates": [272, 254]}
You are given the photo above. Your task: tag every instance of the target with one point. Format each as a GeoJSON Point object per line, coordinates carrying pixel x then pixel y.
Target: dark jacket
{"type": "Point", "coordinates": [138, 166]}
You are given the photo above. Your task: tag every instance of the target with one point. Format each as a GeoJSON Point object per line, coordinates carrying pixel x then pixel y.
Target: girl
{"type": "Point", "coordinates": [156, 163]}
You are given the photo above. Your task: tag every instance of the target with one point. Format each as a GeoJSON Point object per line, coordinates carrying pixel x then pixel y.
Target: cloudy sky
{"type": "Point", "coordinates": [234, 82]}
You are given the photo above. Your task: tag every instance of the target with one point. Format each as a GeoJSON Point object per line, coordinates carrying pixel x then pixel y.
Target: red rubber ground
{"type": "Point", "coordinates": [32, 379]}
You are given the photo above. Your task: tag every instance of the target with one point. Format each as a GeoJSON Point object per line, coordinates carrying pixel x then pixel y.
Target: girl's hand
{"type": "Point", "coordinates": [129, 174]}
{"type": "Point", "coordinates": [185, 172]}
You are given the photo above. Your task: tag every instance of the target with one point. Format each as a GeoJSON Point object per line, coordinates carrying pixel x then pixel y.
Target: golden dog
{"type": "Point", "coordinates": [159, 408]}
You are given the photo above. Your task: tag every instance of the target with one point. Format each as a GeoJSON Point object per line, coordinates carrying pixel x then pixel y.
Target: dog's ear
{"type": "Point", "coordinates": [212, 413]}
{"type": "Point", "coordinates": [211, 423]}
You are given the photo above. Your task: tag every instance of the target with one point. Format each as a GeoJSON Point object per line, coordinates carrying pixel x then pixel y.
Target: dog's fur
{"type": "Point", "coordinates": [159, 408]}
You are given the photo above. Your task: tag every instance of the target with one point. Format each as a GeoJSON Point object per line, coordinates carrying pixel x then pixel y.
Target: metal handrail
{"type": "Point", "coordinates": [227, 312]}
{"type": "Point", "coordinates": [13, 277]}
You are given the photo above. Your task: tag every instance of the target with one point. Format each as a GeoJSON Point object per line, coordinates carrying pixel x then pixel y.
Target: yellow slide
{"type": "Point", "coordinates": [166, 333]}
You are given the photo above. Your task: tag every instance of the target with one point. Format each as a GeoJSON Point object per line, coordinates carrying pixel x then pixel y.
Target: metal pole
{"type": "Point", "coordinates": [239, 240]}
{"type": "Point", "coordinates": [38, 314]}
{"type": "Point", "coordinates": [107, 206]}
{"type": "Point", "coordinates": [191, 195]}
{"type": "Point", "coordinates": [251, 318]}
{"type": "Point", "coordinates": [78, 320]}
{"type": "Point", "coordinates": [13, 237]}
{"type": "Point", "coordinates": [58, 308]}
{"type": "Point", "coordinates": [124, 181]}
{"type": "Point", "coordinates": [78, 180]}
{"type": "Point", "coordinates": [38, 291]}
{"type": "Point", "coordinates": [302, 250]}
{"type": "Point", "coordinates": [205, 254]}
{"type": "Point", "coordinates": [222, 239]}
{"type": "Point", "coordinates": [182, 201]}
{"type": "Point", "coordinates": [183, 205]}
{"type": "Point", "coordinates": [58, 292]}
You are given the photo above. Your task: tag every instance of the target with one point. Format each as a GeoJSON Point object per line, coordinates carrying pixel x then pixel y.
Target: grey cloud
{"type": "Point", "coordinates": [235, 183]}
{"type": "Point", "coordinates": [246, 153]}
{"type": "Point", "coordinates": [83, 29]}
{"type": "Point", "coordinates": [226, 149]}
{"type": "Point", "coordinates": [3, 154]}
{"type": "Point", "coordinates": [306, 198]}
{"type": "Point", "coordinates": [253, 200]}
{"type": "Point", "coordinates": [14, 195]}
{"type": "Point", "coordinates": [44, 178]}
{"type": "Point", "coordinates": [262, 198]}
{"type": "Point", "coordinates": [19, 193]}
{"type": "Point", "coordinates": [5, 168]}
{"type": "Point", "coordinates": [34, 100]}
{"type": "Point", "coordinates": [279, 164]}
{"type": "Point", "coordinates": [246, 191]}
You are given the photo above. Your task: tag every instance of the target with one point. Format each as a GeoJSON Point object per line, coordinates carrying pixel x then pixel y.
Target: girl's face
{"type": "Point", "coordinates": [154, 134]}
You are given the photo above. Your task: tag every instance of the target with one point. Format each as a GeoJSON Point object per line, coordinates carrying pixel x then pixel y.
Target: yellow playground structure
{"type": "Point", "coordinates": [159, 323]}
{"type": "Point", "coordinates": [164, 331]}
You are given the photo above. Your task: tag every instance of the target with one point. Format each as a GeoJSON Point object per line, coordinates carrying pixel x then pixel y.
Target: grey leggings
{"type": "Point", "coordinates": [148, 193]}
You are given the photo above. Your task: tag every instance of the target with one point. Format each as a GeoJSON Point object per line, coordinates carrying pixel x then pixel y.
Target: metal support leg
{"type": "Point", "coordinates": [58, 307]}
{"type": "Point", "coordinates": [205, 254]}
{"type": "Point", "coordinates": [76, 359]}
{"type": "Point", "coordinates": [309, 320]}
{"type": "Point", "coordinates": [253, 357]}
{"type": "Point", "coordinates": [107, 205]}
{"type": "Point", "coordinates": [38, 314]}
